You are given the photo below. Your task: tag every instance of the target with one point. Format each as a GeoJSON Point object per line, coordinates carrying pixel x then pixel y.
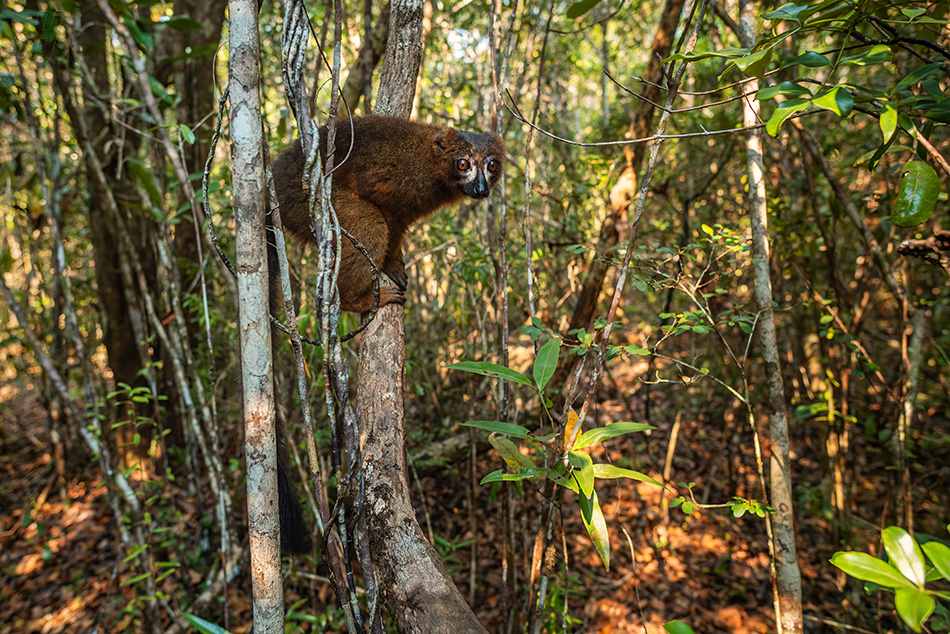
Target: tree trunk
{"type": "Point", "coordinates": [418, 592]}
{"type": "Point", "coordinates": [247, 169]}
{"type": "Point", "coordinates": [788, 576]}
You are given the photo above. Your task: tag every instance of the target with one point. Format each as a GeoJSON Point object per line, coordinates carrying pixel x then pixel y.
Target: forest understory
{"type": "Point", "coordinates": [59, 557]}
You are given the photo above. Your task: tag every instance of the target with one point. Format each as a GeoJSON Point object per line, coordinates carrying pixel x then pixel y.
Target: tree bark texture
{"type": "Point", "coordinates": [788, 575]}
{"type": "Point", "coordinates": [416, 589]}
{"type": "Point", "coordinates": [247, 169]}
{"type": "Point", "coordinates": [369, 56]}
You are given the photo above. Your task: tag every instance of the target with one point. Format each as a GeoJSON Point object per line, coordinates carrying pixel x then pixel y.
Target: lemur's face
{"type": "Point", "coordinates": [477, 162]}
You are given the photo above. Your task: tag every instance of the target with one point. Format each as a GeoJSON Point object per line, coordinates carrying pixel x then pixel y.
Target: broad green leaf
{"type": "Point", "coordinates": [867, 568]}
{"type": "Point", "coordinates": [637, 350]}
{"type": "Point", "coordinates": [600, 434]}
{"type": "Point", "coordinates": [612, 472]}
{"type": "Point", "coordinates": [523, 474]}
{"type": "Point", "coordinates": [678, 627]}
{"type": "Point", "coordinates": [498, 427]}
{"type": "Point", "coordinates": [583, 471]}
{"type": "Point", "coordinates": [788, 11]}
{"type": "Point", "coordinates": [578, 9]}
{"type": "Point", "coordinates": [912, 14]}
{"type": "Point", "coordinates": [756, 64]}
{"type": "Point", "coordinates": [596, 527]}
{"type": "Point", "coordinates": [907, 125]}
{"type": "Point", "coordinates": [787, 88]}
{"type": "Point", "coordinates": [205, 627]}
{"type": "Point", "coordinates": [838, 100]}
{"type": "Point", "coordinates": [181, 23]}
{"type": "Point", "coordinates": [186, 134]}
{"type": "Point", "coordinates": [546, 362]}
{"type": "Point", "coordinates": [916, 195]}
{"type": "Point", "coordinates": [939, 556]}
{"type": "Point", "coordinates": [491, 369]}
{"type": "Point", "coordinates": [876, 55]}
{"type": "Point", "coordinates": [509, 452]}
{"type": "Point", "coordinates": [781, 114]}
{"type": "Point", "coordinates": [888, 121]}
{"type": "Point", "coordinates": [811, 59]}
{"type": "Point", "coordinates": [918, 75]}
{"type": "Point", "coordinates": [913, 606]}
{"type": "Point", "coordinates": [905, 554]}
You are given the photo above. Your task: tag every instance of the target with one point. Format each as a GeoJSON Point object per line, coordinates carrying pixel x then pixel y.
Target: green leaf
{"type": "Point", "coordinates": [600, 434]}
{"type": "Point", "coordinates": [524, 473]}
{"type": "Point", "coordinates": [678, 627]}
{"type": "Point", "coordinates": [182, 23]}
{"type": "Point", "coordinates": [939, 556]}
{"type": "Point", "coordinates": [637, 350]}
{"type": "Point", "coordinates": [578, 9]}
{"type": "Point", "coordinates": [913, 14]}
{"type": "Point", "coordinates": [867, 568]}
{"type": "Point", "coordinates": [509, 452]}
{"type": "Point", "coordinates": [876, 55]}
{"type": "Point", "coordinates": [916, 195]}
{"type": "Point", "coordinates": [888, 121]}
{"type": "Point", "coordinates": [491, 369]}
{"type": "Point", "coordinates": [838, 100]}
{"type": "Point", "coordinates": [612, 472]}
{"type": "Point", "coordinates": [788, 11]}
{"type": "Point", "coordinates": [905, 554]}
{"type": "Point", "coordinates": [546, 362]}
{"type": "Point", "coordinates": [498, 427]}
{"type": "Point", "coordinates": [918, 75]}
{"type": "Point", "coordinates": [787, 88]}
{"type": "Point", "coordinates": [756, 64]}
{"type": "Point", "coordinates": [186, 134]}
{"type": "Point", "coordinates": [811, 59]}
{"type": "Point", "coordinates": [583, 471]}
{"type": "Point", "coordinates": [913, 606]}
{"type": "Point", "coordinates": [596, 527]}
{"type": "Point", "coordinates": [205, 627]}
{"type": "Point", "coordinates": [781, 114]}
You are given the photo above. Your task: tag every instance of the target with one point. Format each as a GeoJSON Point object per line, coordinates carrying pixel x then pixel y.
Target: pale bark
{"type": "Point", "coordinates": [788, 584]}
{"type": "Point", "coordinates": [247, 169]}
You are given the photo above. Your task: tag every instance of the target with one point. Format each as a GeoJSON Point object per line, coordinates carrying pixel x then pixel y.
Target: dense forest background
{"type": "Point", "coordinates": [122, 500]}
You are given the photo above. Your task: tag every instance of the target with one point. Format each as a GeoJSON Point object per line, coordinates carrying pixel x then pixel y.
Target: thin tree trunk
{"type": "Point", "coordinates": [788, 576]}
{"type": "Point", "coordinates": [247, 169]}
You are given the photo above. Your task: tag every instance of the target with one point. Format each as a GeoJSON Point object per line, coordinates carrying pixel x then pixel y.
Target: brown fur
{"type": "Point", "coordinates": [397, 173]}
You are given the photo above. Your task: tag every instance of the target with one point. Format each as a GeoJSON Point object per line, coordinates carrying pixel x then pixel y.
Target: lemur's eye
{"type": "Point", "coordinates": [462, 165]}
{"type": "Point", "coordinates": [493, 166]}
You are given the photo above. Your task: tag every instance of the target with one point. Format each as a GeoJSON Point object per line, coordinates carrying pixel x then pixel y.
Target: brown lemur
{"type": "Point", "coordinates": [396, 173]}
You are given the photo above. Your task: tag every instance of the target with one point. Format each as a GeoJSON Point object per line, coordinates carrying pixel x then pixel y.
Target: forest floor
{"type": "Point", "coordinates": [59, 561]}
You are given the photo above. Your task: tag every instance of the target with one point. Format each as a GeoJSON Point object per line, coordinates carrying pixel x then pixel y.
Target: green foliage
{"type": "Point", "coordinates": [906, 574]}
{"type": "Point", "coordinates": [203, 626]}
{"type": "Point", "coordinates": [574, 469]}
{"type": "Point", "coordinates": [917, 196]}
